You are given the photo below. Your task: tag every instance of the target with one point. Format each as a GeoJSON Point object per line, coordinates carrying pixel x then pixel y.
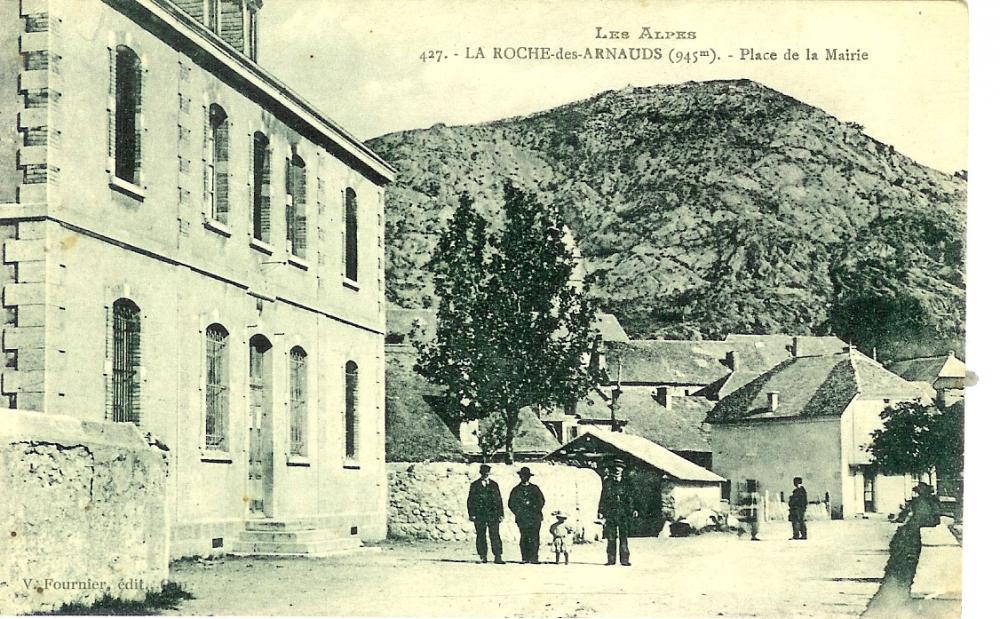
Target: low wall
{"type": "Point", "coordinates": [83, 512]}
{"type": "Point", "coordinates": [427, 500]}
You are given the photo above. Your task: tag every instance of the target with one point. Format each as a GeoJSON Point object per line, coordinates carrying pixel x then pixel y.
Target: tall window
{"type": "Point", "coordinates": [297, 401]}
{"type": "Point", "coordinates": [351, 410]}
{"type": "Point", "coordinates": [216, 387]}
{"type": "Point", "coordinates": [295, 206]}
{"type": "Point", "coordinates": [261, 188]}
{"type": "Point", "coordinates": [127, 81]}
{"type": "Point", "coordinates": [351, 235]}
{"type": "Point", "coordinates": [217, 165]}
{"type": "Point", "coordinates": [125, 361]}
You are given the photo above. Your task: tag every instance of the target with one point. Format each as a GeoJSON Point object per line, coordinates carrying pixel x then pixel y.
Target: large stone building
{"type": "Point", "coordinates": [190, 246]}
{"type": "Point", "coordinates": [812, 416]}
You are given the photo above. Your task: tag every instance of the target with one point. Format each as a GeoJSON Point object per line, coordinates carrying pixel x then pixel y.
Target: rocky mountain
{"type": "Point", "coordinates": [706, 208]}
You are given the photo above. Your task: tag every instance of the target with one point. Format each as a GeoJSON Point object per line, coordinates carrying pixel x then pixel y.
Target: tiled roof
{"type": "Point", "coordinates": [641, 449]}
{"type": "Point", "coordinates": [778, 347]}
{"type": "Point", "coordinates": [680, 362]}
{"type": "Point", "coordinates": [681, 428]}
{"type": "Point", "coordinates": [609, 328]}
{"type": "Point", "coordinates": [814, 386]}
{"type": "Point", "coordinates": [929, 369]}
{"type": "Point", "coordinates": [406, 322]}
{"type": "Point", "coordinates": [413, 431]}
{"type": "Point", "coordinates": [532, 437]}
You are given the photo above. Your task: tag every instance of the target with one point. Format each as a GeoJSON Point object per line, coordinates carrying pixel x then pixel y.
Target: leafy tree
{"type": "Point", "coordinates": [513, 325]}
{"type": "Point", "coordinates": [917, 438]}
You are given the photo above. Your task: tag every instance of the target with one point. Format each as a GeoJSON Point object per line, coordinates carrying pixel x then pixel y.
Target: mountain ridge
{"type": "Point", "coordinates": [705, 208]}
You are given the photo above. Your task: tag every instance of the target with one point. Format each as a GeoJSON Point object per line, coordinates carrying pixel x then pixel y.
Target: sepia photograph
{"type": "Point", "coordinates": [464, 308]}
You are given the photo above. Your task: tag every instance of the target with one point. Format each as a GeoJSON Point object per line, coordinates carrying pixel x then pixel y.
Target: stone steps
{"type": "Point", "coordinates": [297, 537]}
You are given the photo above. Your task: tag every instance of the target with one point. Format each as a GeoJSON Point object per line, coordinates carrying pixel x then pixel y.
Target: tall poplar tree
{"type": "Point", "coordinates": [514, 324]}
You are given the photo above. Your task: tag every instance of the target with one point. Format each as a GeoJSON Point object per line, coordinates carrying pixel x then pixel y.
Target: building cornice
{"type": "Point", "coordinates": [260, 82]}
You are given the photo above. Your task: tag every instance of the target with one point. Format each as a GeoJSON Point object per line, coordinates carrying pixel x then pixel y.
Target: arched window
{"type": "Point", "coordinates": [216, 387]}
{"type": "Point", "coordinates": [125, 362]}
{"type": "Point", "coordinates": [295, 206]}
{"type": "Point", "coordinates": [126, 129]}
{"type": "Point", "coordinates": [217, 165]}
{"type": "Point", "coordinates": [297, 401]}
{"type": "Point", "coordinates": [351, 410]}
{"type": "Point", "coordinates": [261, 188]}
{"type": "Point", "coordinates": [351, 235]}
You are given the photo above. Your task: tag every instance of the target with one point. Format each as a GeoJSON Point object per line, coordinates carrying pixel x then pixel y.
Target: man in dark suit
{"type": "Point", "coordinates": [617, 510]}
{"type": "Point", "coordinates": [526, 501]}
{"type": "Point", "coordinates": [797, 509]}
{"type": "Point", "coordinates": [485, 508]}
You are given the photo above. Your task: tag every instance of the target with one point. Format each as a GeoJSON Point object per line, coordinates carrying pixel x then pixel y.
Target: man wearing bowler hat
{"type": "Point", "coordinates": [526, 501]}
{"type": "Point", "coordinates": [485, 508]}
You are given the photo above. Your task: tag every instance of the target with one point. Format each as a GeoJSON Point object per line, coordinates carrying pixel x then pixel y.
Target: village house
{"type": "Point", "coordinates": [667, 487]}
{"type": "Point", "coordinates": [812, 416]}
{"type": "Point", "coordinates": [191, 247]}
{"type": "Point", "coordinates": [945, 373]}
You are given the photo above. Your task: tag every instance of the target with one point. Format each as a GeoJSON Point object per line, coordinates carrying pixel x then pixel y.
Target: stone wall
{"type": "Point", "coordinates": [83, 512]}
{"type": "Point", "coordinates": [427, 500]}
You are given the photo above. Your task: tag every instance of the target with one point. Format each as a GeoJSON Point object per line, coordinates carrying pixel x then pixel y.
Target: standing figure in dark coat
{"type": "Point", "coordinates": [526, 501]}
{"type": "Point", "coordinates": [617, 510]}
{"type": "Point", "coordinates": [486, 511]}
{"type": "Point", "coordinates": [797, 509]}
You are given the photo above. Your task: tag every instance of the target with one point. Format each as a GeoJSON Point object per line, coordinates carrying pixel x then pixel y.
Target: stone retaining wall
{"type": "Point", "coordinates": [82, 515]}
{"type": "Point", "coordinates": [427, 500]}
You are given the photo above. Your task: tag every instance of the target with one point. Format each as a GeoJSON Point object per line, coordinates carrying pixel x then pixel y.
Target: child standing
{"type": "Point", "coordinates": [561, 539]}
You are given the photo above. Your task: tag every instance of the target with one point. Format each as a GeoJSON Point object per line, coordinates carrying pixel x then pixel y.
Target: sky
{"type": "Point", "coordinates": [360, 61]}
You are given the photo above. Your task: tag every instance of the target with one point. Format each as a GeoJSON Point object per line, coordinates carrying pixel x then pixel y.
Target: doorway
{"type": "Point", "coordinates": [869, 489]}
{"type": "Point", "coordinates": [260, 478]}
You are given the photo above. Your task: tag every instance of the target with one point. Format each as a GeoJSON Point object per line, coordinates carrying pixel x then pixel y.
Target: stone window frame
{"type": "Point", "coordinates": [212, 389]}
{"type": "Point", "coordinates": [298, 403]}
{"type": "Point", "coordinates": [137, 188]}
{"type": "Point", "coordinates": [352, 414]}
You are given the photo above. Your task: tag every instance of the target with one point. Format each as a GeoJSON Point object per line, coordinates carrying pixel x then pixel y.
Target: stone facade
{"type": "Point", "coordinates": [427, 500]}
{"type": "Point", "coordinates": [90, 514]}
{"type": "Point", "coordinates": [78, 239]}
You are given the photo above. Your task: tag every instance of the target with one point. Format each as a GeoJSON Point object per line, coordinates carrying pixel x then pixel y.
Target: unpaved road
{"type": "Point", "coordinates": [833, 574]}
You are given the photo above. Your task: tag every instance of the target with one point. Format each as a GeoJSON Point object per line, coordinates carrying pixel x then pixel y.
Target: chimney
{"type": "Point", "coordinates": [235, 21]}
{"type": "Point", "coordinates": [596, 363]}
{"type": "Point", "coordinates": [733, 360]}
{"type": "Point", "coordinates": [796, 346]}
{"type": "Point", "coordinates": [663, 398]}
{"type": "Point", "coordinates": [772, 401]}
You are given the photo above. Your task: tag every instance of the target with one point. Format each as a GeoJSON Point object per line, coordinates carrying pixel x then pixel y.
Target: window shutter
{"type": "Point", "coordinates": [112, 93]}
{"type": "Point", "coordinates": [221, 145]}
{"type": "Point", "coordinates": [343, 233]}
{"type": "Point", "coordinates": [138, 119]}
{"type": "Point", "coordinates": [206, 154]}
{"type": "Point", "coordinates": [299, 199]}
{"type": "Point", "coordinates": [265, 197]}
{"type": "Point", "coordinates": [289, 202]}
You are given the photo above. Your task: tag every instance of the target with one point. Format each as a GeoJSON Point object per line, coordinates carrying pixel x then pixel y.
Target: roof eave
{"type": "Point", "coordinates": [197, 34]}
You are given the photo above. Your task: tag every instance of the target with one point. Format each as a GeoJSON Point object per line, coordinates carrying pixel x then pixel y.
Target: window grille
{"type": "Point", "coordinates": [351, 235]}
{"type": "Point", "coordinates": [297, 401]}
{"type": "Point", "coordinates": [125, 362]}
{"type": "Point", "coordinates": [351, 410]}
{"type": "Point", "coordinates": [216, 388]}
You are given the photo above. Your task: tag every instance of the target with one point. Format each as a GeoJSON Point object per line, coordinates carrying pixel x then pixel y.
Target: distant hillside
{"type": "Point", "coordinates": [708, 208]}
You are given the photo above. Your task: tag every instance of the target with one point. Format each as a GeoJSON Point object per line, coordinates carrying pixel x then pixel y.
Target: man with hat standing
{"type": "Point", "coordinates": [485, 508]}
{"type": "Point", "coordinates": [616, 508]}
{"type": "Point", "coordinates": [526, 501]}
